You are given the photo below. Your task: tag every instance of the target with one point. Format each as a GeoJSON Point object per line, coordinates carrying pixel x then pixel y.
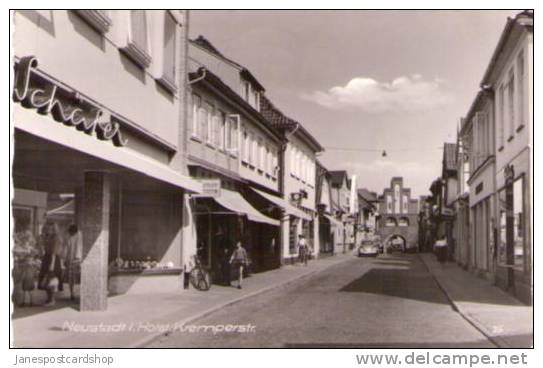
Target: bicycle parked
{"type": "Point", "coordinates": [199, 276]}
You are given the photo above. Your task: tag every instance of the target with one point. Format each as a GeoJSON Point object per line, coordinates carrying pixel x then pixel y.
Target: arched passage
{"type": "Point", "coordinates": [395, 242]}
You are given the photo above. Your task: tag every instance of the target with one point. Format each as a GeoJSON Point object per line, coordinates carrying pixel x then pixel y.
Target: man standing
{"type": "Point", "coordinates": [302, 249]}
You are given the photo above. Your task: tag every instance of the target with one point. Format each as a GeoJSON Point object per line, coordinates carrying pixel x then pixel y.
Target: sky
{"type": "Point", "coordinates": [364, 82]}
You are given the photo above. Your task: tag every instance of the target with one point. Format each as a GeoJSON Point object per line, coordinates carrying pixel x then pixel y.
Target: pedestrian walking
{"type": "Point", "coordinates": [302, 250]}
{"type": "Point", "coordinates": [74, 253]}
{"type": "Point", "coordinates": [239, 260]}
{"type": "Point", "coordinates": [440, 249]}
{"type": "Point", "coordinates": [52, 265]}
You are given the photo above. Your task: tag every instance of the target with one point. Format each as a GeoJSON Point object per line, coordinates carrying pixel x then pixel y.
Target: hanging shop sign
{"type": "Point", "coordinates": [49, 99]}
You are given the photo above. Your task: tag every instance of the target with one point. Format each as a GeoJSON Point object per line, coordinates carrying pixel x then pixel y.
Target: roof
{"type": "Point", "coordinates": [245, 73]}
{"type": "Point", "coordinates": [280, 121]}
{"type": "Point", "coordinates": [367, 195]}
{"type": "Point", "coordinates": [523, 19]}
{"type": "Point", "coordinates": [337, 177]}
{"type": "Point", "coordinates": [449, 156]}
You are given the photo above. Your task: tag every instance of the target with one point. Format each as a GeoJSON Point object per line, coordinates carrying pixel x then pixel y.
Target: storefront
{"type": "Point", "coordinates": [224, 215]}
{"type": "Point", "coordinates": [76, 162]}
{"type": "Point", "coordinates": [514, 260]}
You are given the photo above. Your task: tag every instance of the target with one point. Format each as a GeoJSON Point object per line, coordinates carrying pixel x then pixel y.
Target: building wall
{"type": "Point", "coordinates": [393, 213]}
{"type": "Point", "coordinates": [300, 166]}
{"type": "Point", "coordinates": [103, 73]}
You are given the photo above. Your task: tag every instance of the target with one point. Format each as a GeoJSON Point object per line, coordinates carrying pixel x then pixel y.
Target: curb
{"type": "Point", "coordinates": [500, 343]}
{"type": "Point", "coordinates": [141, 343]}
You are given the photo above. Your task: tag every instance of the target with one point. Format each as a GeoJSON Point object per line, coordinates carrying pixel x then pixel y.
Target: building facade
{"type": "Point", "coordinates": [509, 76]}
{"type": "Point", "coordinates": [341, 199]}
{"type": "Point", "coordinates": [330, 229]}
{"type": "Point", "coordinates": [478, 137]}
{"type": "Point", "coordinates": [299, 175]}
{"type": "Point", "coordinates": [232, 151]}
{"type": "Point", "coordinates": [85, 153]}
{"type": "Point", "coordinates": [398, 216]}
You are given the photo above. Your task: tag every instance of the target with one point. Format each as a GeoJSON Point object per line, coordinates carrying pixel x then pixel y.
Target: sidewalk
{"type": "Point", "coordinates": [134, 320]}
{"type": "Point", "coordinates": [503, 319]}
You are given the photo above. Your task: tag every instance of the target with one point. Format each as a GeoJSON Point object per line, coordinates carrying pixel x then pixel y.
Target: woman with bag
{"type": "Point", "coordinates": [52, 265]}
{"type": "Point", "coordinates": [238, 260]}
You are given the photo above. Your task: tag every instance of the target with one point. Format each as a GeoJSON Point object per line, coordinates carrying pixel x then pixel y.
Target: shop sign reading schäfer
{"type": "Point", "coordinates": [46, 100]}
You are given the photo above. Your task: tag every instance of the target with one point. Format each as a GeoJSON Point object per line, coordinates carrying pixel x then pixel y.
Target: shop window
{"type": "Point", "coordinates": [512, 230]}
{"type": "Point", "coordinates": [519, 222]}
{"type": "Point", "coordinates": [293, 234]}
{"type": "Point", "coordinates": [168, 71]}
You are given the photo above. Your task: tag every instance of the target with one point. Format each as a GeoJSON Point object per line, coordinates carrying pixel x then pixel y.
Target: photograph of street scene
{"type": "Point", "coordinates": [272, 179]}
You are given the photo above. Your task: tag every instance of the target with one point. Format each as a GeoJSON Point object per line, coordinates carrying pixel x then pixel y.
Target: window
{"type": "Point", "coordinates": [98, 19]}
{"type": "Point", "coordinates": [137, 48]}
{"type": "Point", "coordinates": [511, 102]}
{"type": "Point", "coordinates": [262, 155]}
{"type": "Point", "coordinates": [246, 89]}
{"type": "Point", "coordinates": [268, 167]}
{"type": "Point", "coordinates": [404, 221]}
{"type": "Point", "coordinates": [233, 136]}
{"type": "Point", "coordinates": [501, 116]}
{"type": "Point", "coordinates": [256, 101]}
{"type": "Point", "coordinates": [254, 151]}
{"type": "Point", "coordinates": [206, 121]}
{"type": "Point", "coordinates": [246, 146]}
{"type": "Point", "coordinates": [196, 111]}
{"type": "Point", "coordinates": [275, 164]}
{"type": "Point", "coordinates": [521, 78]}
{"type": "Point", "coordinates": [221, 130]}
{"type": "Point", "coordinates": [168, 72]}
{"type": "Point", "coordinates": [391, 222]}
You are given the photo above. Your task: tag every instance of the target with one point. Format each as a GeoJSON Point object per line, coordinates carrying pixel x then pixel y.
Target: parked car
{"type": "Point", "coordinates": [368, 248]}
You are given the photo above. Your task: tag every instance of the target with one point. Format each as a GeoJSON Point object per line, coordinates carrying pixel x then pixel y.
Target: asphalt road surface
{"type": "Point", "coordinates": [389, 301]}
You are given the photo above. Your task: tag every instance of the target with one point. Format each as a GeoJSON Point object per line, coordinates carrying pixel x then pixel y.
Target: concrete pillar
{"type": "Point", "coordinates": [285, 235]}
{"type": "Point", "coordinates": [189, 233]}
{"type": "Point", "coordinates": [316, 236]}
{"type": "Point", "coordinates": [95, 229]}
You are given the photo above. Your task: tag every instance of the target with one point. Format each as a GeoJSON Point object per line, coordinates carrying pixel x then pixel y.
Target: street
{"type": "Point", "coordinates": [387, 302]}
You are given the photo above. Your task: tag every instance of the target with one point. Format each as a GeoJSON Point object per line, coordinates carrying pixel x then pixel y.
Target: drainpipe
{"type": "Point", "coordinates": [197, 79]}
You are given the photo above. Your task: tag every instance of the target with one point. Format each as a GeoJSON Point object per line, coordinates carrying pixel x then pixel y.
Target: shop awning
{"type": "Point", "coordinates": [43, 126]}
{"type": "Point", "coordinates": [333, 221]}
{"type": "Point", "coordinates": [290, 209]}
{"type": "Point", "coordinates": [235, 202]}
